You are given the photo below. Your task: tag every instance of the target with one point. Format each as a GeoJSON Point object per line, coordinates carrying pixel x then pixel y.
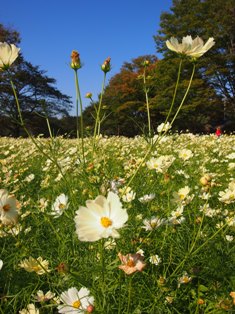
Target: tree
{"type": "Point", "coordinates": [36, 91]}
{"type": "Point", "coordinates": [206, 18]}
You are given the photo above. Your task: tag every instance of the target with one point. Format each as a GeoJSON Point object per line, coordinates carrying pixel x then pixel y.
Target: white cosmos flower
{"type": "Point", "coordinates": [75, 302]}
{"type": "Point", "coordinates": [60, 205]}
{"type": "Point", "coordinates": [31, 309]}
{"type": "Point", "coordinates": [8, 210]}
{"type": "Point", "coordinates": [155, 259]}
{"type": "Point", "coordinates": [194, 48]}
{"type": "Point", "coordinates": [8, 54]}
{"type": "Point", "coordinates": [147, 198]}
{"type": "Point", "coordinates": [100, 218]}
{"type": "Point", "coordinates": [1, 264]}
{"type": "Point", "coordinates": [163, 127]}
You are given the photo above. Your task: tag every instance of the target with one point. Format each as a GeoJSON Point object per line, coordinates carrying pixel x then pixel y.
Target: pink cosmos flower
{"type": "Point", "coordinates": [131, 263]}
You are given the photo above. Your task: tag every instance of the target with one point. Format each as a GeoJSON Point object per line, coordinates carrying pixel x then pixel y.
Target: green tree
{"type": "Point", "coordinates": [216, 69]}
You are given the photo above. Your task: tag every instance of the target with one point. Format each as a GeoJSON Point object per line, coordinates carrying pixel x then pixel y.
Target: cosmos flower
{"type": "Point", "coordinates": [160, 164]}
{"type": "Point", "coordinates": [100, 218]}
{"type": "Point", "coordinates": [182, 196]}
{"type": "Point", "coordinates": [8, 210]}
{"type": "Point", "coordinates": [185, 154]}
{"type": "Point", "coordinates": [184, 279]}
{"type": "Point", "coordinates": [131, 263]}
{"type": "Point", "coordinates": [41, 297]}
{"type": "Point", "coordinates": [39, 266]}
{"type": "Point", "coordinates": [163, 127]}
{"type": "Point", "coordinates": [228, 196]}
{"type": "Point", "coordinates": [155, 259]}
{"type": "Point", "coordinates": [147, 198]}
{"type": "Point", "coordinates": [128, 195]}
{"type": "Point", "coordinates": [153, 223]}
{"type": "Point", "coordinates": [31, 309]}
{"type": "Point", "coordinates": [60, 205]}
{"type": "Point", "coordinates": [194, 48]}
{"type": "Point", "coordinates": [75, 302]}
{"type": "Point", "coordinates": [1, 264]}
{"type": "Point", "coordinates": [8, 54]}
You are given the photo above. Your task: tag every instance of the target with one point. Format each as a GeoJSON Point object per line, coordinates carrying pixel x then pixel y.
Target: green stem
{"type": "Point", "coordinates": [175, 91]}
{"type": "Point", "coordinates": [49, 127]}
{"type": "Point", "coordinates": [198, 249]}
{"type": "Point", "coordinates": [97, 120]}
{"type": "Point", "coordinates": [147, 102]}
{"type": "Point", "coordinates": [79, 100]}
{"type": "Point", "coordinates": [129, 294]}
{"type": "Point", "coordinates": [185, 95]}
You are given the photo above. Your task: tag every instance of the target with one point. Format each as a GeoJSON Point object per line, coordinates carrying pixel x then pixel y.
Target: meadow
{"type": "Point", "coordinates": [173, 208]}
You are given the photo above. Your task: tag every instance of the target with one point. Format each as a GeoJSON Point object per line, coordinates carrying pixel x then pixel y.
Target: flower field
{"type": "Point", "coordinates": [130, 228]}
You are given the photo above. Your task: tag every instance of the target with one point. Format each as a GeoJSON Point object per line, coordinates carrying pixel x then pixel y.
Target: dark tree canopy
{"type": "Point", "coordinates": [36, 91]}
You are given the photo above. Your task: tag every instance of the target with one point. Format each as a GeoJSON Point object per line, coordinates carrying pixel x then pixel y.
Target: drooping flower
{"type": "Point", "coordinates": [38, 265]}
{"type": "Point", "coordinates": [31, 309]}
{"type": "Point", "coordinates": [100, 218]}
{"type": "Point", "coordinates": [8, 54]}
{"type": "Point", "coordinates": [194, 48]}
{"type": "Point", "coordinates": [60, 205]}
{"type": "Point", "coordinates": [75, 302]}
{"type": "Point", "coordinates": [41, 297]}
{"type": "Point", "coordinates": [8, 210]}
{"type": "Point", "coordinates": [131, 263]}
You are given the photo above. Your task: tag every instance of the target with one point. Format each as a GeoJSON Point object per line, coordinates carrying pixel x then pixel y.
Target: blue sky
{"type": "Point", "coordinates": [51, 29]}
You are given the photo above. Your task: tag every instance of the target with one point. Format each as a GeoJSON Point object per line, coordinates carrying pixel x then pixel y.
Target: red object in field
{"type": "Point", "coordinates": [218, 132]}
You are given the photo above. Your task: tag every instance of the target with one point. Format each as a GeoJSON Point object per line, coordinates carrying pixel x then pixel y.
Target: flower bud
{"type": "Point", "coordinates": [75, 60]}
{"type": "Point", "coordinates": [90, 308]}
{"type": "Point", "coordinates": [88, 95]}
{"type": "Point", "coordinates": [62, 268]}
{"type": "Point", "coordinates": [146, 63]}
{"type": "Point", "coordinates": [106, 67]}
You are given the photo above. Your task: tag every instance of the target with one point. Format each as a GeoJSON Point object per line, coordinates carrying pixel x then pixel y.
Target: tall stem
{"type": "Point", "coordinates": [147, 102]}
{"type": "Point", "coordinates": [97, 120]}
{"type": "Point", "coordinates": [79, 100]}
{"type": "Point", "coordinates": [185, 95]}
{"type": "Point", "coordinates": [175, 91]}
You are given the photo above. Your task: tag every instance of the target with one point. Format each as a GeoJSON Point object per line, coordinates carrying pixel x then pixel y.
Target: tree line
{"type": "Point", "coordinates": [209, 103]}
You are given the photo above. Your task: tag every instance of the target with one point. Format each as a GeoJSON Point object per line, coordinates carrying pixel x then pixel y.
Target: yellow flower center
{"type": "Point", "coordinates": [6, 208]}
{"type": "Point", "coordinates": [36, 268]}
{"type": "Point", "coordinates": [182, 196]}
{"type": "Point", "coordinates": [130, 263]}
{"type": "Point", "coordinates": [61, 206]}
{"type": "Point", "coordinates": [106, 222]}
{"type": "Point", "coordinates": [76, 304]}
